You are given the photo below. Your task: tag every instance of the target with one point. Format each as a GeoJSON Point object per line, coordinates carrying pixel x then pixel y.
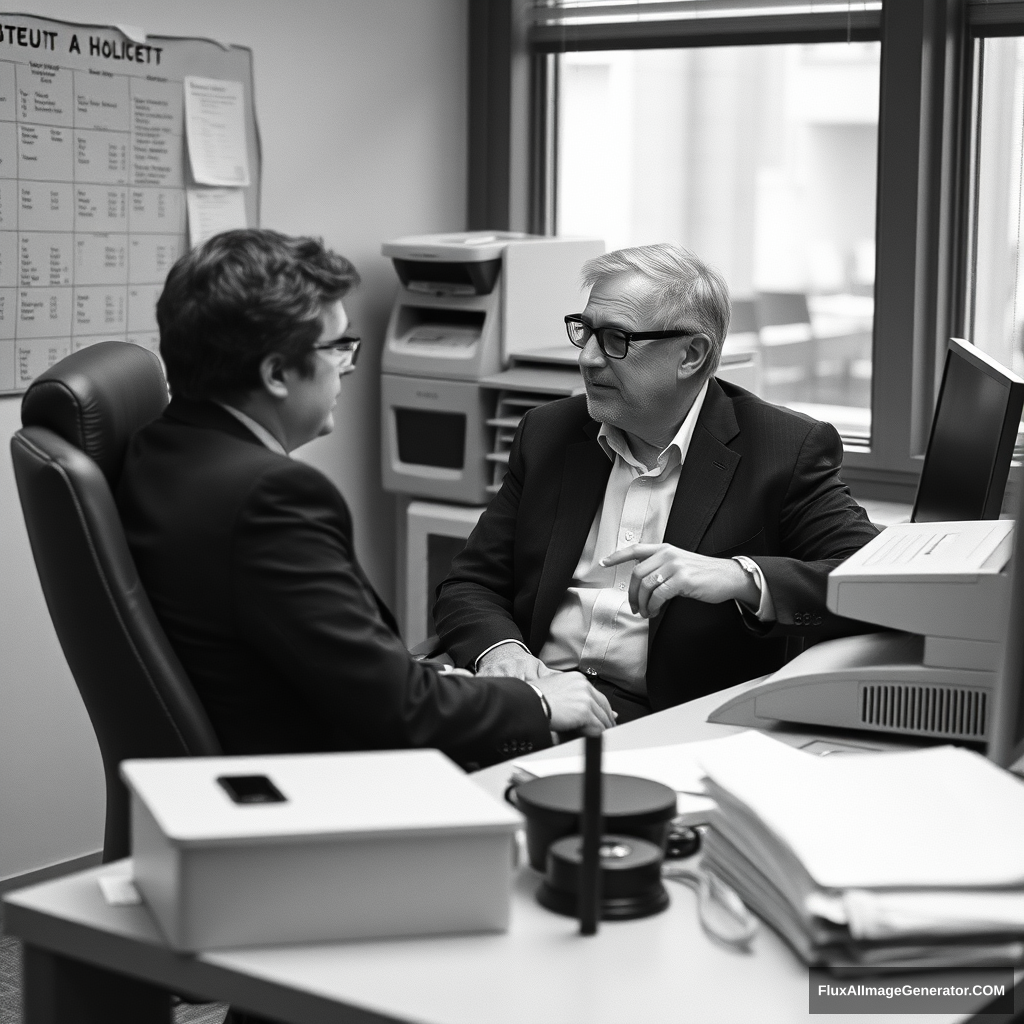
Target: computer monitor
{"type": "Point", "coordinates": [973, 433]}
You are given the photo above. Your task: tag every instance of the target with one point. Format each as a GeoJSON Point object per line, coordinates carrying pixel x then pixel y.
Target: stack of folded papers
{"type": "Point", "coordinates": [872, 862]}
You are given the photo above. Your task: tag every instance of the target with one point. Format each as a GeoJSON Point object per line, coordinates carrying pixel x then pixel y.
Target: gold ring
{"type": "Point", "coordinates": [658, 579]}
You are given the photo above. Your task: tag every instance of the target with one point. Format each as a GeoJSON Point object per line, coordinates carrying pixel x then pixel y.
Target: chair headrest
{"type": "Point", "coordinates": [97, 398]}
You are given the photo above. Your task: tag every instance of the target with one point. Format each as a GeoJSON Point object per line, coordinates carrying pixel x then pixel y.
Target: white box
{"type": "Point", "coordinates": [365, 845]}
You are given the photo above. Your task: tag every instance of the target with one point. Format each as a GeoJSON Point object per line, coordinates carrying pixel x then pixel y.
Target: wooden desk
{"type": "Point", "coordinates": [80, 955]}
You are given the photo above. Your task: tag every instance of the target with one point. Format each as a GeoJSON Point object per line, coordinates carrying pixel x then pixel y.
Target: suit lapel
{"type": "Point", "coordinates": [704, 478]}
{"type": "Point", "coordinates": [706, 473]}
{"type": "Point", "coordinates": [584, 478]}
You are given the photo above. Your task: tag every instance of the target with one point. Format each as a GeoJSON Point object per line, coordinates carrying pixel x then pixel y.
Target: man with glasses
{"type": "Point", "coordinates": [668, 534]}
{"type": "Point", "coordinates": [248, 556]}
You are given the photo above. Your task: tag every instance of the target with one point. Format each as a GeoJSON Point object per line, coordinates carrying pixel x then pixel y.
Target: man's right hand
{"type": "Point", "coordinates": [575, 704]}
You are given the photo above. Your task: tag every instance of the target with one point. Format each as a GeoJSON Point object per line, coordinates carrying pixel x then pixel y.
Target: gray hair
{"type": "Point", "coordinates": [687, 291]}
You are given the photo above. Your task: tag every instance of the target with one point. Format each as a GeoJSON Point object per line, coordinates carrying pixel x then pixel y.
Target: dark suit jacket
{"type": "Point", "coordinates": [248, 559]}
{"type": "Point", "coordinates": [758, 480]}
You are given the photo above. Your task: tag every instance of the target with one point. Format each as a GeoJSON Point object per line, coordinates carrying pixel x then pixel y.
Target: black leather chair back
{"type": "Point", "coordinates": [77, 419]}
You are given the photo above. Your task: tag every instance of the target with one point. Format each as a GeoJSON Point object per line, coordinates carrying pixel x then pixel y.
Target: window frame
{"type": "Point", "coordinates": [924, 172]}
{"type": "Point", "coordinates": [986, 19]}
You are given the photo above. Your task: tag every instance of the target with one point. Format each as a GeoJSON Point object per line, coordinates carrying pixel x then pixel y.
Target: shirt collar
{"type": "Point", "coordinates": [613, 441]}
{"type": "Point", "coordinates": [261, 432]}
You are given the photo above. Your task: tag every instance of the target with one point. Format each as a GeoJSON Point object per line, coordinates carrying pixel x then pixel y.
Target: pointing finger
{"type": "Point", "coordinates": [626, 554]}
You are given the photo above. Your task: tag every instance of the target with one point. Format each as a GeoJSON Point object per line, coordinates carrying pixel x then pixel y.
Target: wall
{"type": "Point", "coordinates": [362, 113]}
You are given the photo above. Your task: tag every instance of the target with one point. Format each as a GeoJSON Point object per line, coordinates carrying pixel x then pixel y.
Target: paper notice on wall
{"type": "Point", "coordinates": [94, 166]}
{"type": "Point", "coordinates": [213, 210]}
{"type": "Point", "coordinates": [215, 128]}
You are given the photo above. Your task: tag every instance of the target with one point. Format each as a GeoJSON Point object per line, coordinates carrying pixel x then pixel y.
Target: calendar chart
{"type": "Point", "coordinates": [93, 177]}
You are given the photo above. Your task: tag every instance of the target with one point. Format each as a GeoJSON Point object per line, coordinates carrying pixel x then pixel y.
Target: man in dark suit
{"type": "Point", "coordinates": [247, 554]}
{"type": "Point", "coordinates": [669, 534]}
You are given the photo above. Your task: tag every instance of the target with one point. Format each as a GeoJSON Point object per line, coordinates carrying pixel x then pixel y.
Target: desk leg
{"type": "Point", "coordinates": [58, 990]}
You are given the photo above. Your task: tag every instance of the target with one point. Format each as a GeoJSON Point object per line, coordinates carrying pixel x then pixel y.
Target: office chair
{"type": "Point", "coordinates": [787, 344]}
{"type": "Point", "coordinates": [744, 317]}
{"type": "Point", "coordinates": [77, 419]}
{"type": "Point", "coordinates": [741, 351]}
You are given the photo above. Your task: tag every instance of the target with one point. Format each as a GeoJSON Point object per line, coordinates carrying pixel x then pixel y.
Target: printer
{"type": "Point", "coordinates": [469, 303]}
{"type": "Point", "coordinates": [941, 591]}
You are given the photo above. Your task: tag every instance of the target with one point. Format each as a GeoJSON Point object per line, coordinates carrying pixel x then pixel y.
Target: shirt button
{"type": "Point", "coordinates": [629, 535]}
{"type": "Point", "coordinates": [622, 586]}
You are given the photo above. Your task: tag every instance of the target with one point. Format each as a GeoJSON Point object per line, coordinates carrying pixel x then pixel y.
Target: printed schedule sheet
{"type": "Point", "coordinates": [92, 190]}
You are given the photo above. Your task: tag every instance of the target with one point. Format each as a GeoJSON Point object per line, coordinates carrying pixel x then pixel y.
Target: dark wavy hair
{"type": "Point", "coordinates": [239, 297]}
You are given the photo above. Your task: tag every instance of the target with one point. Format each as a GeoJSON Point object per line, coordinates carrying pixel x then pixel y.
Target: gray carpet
{"type": "Point", "coordinates": [10, 980]}
{"type": "Point", "coordinates": [10, 991]}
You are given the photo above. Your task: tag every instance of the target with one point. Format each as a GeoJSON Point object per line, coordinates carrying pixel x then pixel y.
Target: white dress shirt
{"type": "Point", "coordinates": [594, 629]}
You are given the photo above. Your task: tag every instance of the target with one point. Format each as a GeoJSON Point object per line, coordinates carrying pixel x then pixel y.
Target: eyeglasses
{"type": "Point", "coordinates": [346, 348]}
{"type": "Point", "coordinates": [614, 342]}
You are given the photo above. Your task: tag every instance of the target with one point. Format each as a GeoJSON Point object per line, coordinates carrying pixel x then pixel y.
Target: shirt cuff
{"type": "Point", "coordinates": [543, 700]}
{"type": "Point", "coordinates": [766, 609]}
{"type": "Point", "coordinates": [480, 656]}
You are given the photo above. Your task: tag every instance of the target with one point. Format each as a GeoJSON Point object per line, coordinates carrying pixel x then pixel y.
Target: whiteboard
{"type": "Point", "coordinates": [93, 177]}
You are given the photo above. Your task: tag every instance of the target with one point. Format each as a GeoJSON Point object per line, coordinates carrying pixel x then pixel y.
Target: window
{"type": "Point", "coordinates": [762, 160]}
{"type": "Point", "coordinates": [672, 76]}
{"type": "Point", "coordinates": [995, 300]}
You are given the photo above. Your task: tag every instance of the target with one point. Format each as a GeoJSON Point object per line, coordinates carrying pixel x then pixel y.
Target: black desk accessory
{"type": "Point", "coordinates": [595, 876]}
{"type": "Point", "coordinates": [593, 826]}
{"type": "Point", "coordinates": [630, 879]}
{"type": "Point", "coordinates": [631, 807]}
{"type": "Point", "coordinates": [683, 842]}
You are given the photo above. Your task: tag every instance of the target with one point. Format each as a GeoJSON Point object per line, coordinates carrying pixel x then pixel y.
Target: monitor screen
{"type": "Point", "coordinates": [973, 433]}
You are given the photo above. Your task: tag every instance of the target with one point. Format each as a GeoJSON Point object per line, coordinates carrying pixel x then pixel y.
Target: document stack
{"type": "Point", "coordinates": [873, 862]}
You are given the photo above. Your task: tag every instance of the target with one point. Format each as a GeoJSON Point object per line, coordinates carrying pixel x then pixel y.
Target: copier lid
{"type": "Point", "coordinates": [357, 795]}
{"type": "Point", "coordinates": [454, 247]}
{"type": "Point", "coordinates": [957, 552]}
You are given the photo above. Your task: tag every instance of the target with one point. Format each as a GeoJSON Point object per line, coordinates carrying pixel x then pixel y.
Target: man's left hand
{"type": "Point", "coordinates": [664, 571]}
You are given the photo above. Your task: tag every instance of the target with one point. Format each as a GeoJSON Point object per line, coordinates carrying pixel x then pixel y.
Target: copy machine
{"type": "Point", "coordinates": [945, 588]}
{"type": "Point", "coordinates": [470, 303]}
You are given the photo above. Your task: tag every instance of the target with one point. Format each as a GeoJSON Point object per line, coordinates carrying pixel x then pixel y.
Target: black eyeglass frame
{"type": "Point", "coordinates": [346, 343]}
{"type": "Point", "coordinates": [628, 337]}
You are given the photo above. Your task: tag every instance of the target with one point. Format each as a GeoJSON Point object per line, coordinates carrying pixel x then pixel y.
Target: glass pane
{"type": "Point", "coordinates": [762, 160]}
{"type": "Point", "coordinates": [996, 299]}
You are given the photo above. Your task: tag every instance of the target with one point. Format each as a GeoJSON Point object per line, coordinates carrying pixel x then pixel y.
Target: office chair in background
{"type": "Point", "coordinates": [787, 344]}
{"type": "Point", "coordinates": [741, 351]}
{"type": "Point", "coordinates": [77, 419]}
